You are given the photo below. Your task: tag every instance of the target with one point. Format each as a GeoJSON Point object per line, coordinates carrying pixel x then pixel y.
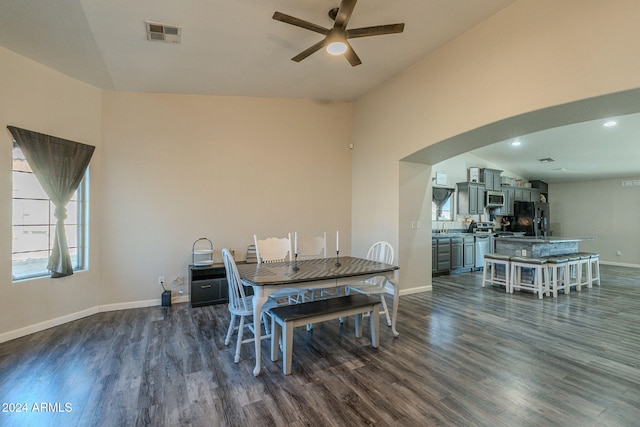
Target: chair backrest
{"type": "Point", "coordinates": [237, 299]}
{"type": "Point", "coordinates": [273, 249]}
{"type": "Point", "coordinates": [312, 247]}
{"type": "Point", "coordinates": [381, 252]}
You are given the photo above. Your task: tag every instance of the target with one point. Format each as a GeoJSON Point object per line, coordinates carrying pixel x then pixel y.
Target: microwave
{"type": "Point", "coordinates": [494, 199]}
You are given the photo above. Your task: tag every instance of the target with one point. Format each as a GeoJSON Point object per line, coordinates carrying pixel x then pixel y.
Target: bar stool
{"type": "Point", "coordinates": [573, 276]}
{"type": "Point", "coordinates": [492, 261]}
{"type": "Point", "coordinates": [557, 274]}
{"type": "Point", "coordinates": [594, 268]}
{"type": "Point", "coordinates": [540, 280]}
{"type": "Point", "coordinates": [584, 278]}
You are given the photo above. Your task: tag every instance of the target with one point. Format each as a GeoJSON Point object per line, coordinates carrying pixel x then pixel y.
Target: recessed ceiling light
{"type": "Point", "coordinates": [610, 123]}
{"type": "Point", "coordinates": [516, 143]}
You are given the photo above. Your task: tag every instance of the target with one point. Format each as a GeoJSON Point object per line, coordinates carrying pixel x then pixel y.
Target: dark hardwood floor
{"type": "Point", "coordinates": [465, 356]}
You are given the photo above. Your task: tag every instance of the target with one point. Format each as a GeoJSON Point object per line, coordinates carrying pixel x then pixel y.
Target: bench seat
{"type": "Point", "coordinates": [285, 318]}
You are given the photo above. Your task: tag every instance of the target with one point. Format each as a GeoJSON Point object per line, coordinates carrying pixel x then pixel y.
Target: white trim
{"type": "Point", "coordinates": [416, 290]}
{"type": "Point", "coordinates": [619, 264]}
{"type": "Point", "coordinates": [37, 327]}
{"type": "Point", "coordinates": [27, 330]}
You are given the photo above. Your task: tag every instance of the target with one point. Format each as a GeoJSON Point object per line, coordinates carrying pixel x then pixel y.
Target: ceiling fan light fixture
{"type": "Point", "coordinates": [337, 48]}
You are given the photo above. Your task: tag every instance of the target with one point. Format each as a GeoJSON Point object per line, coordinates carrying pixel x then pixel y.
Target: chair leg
{"type": "Point", "coordinates": [227, 340]}
{"type": "Point", "coordinates": [239, 343]}
{"type": "Point", "coordinates": [386, 310]}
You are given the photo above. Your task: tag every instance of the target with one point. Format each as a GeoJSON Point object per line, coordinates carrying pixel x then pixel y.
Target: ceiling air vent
{"type": "Point", "coordinates": [163, 32]}
{"type": "Point", "coordinates": [547, 160]}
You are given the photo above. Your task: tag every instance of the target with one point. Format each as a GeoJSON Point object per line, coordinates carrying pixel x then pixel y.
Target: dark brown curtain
{"type": "Point", "coordinates": [59, 165]}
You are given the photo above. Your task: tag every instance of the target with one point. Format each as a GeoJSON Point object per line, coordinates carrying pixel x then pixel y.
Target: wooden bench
{"type": "Point", "coordinates": [285, 318]}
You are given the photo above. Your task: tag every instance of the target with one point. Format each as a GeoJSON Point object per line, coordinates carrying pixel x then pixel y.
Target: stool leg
{"type": "Point", "coordinates": [596, 273]}
{"type": "Point", "coordinates": [484, 273]}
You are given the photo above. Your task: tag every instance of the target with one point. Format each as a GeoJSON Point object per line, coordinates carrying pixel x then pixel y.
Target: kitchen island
{"type": "Point", "coordinates": [537, 247]}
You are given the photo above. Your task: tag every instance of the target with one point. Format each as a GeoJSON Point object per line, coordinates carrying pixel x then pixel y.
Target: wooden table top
{"type": "Point", "coordinates": [282, 273]}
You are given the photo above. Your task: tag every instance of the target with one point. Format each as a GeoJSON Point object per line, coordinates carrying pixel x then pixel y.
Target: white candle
{"type": "Point", "coordinates": [295, 242]}
{"type": "Point", "coordinates": [337, 241]}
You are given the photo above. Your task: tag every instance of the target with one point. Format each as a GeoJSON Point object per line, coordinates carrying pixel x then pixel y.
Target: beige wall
{"type": "Point", "coordinates": [604, 210]}
{"type": "Point", "coordinates": [169, 169]}
{"type": "Point", "coordinates": [37, 98]}
{"type": "Point", "coordinates": [532, 55]}
{"type": "Point", "coordinates": [180, 167]}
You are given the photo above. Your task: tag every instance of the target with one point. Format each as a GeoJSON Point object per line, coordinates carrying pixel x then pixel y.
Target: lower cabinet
{"type": "Point", "coordinates": [469, 252]}
{"type": "Point", "coordinates": [456, 253]}
{"type": "Point", "coordinates": [440, 255]}
{"type": "Point", "coordinates": [208, 285]}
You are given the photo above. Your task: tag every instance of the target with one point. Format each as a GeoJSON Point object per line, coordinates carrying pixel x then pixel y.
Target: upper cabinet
{"type": "Point", "coordinates": [470, 198]}
{"type": "Point", "coordinates": [491, 179]}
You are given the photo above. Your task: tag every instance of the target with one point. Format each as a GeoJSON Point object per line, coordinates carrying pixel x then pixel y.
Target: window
{"type": "Point", "coordinates": [34, 223]}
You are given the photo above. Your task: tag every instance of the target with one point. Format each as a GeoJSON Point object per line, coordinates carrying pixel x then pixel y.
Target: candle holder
{"type": "Point", "coordinates": [295, 262]}
{"type": "Point", "coordinates": [338, 259]}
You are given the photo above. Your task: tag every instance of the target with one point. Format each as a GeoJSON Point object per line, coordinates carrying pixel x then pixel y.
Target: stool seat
{"type": "Point", "coordinates": [498, 256]}
{"type": "Point", "coordinates": [528, 260]}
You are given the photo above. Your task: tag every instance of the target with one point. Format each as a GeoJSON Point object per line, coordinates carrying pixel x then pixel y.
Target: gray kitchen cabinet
{"type": "Point", "coordinates": [468, 251]}
{"type": "Point", "coordinates": [470, 198]}
{"type": "Point", "coordinates": [509, 198]}
{"type": "Point", "coordinates": [457, 258]}
{"type": "Point", "coordinates": [518, 195]}
{"type": "Point", "coordinates": [441, 255]}
{"type": "Point", "coordinates": [434, 256]}
{"type": "Point", "coordinates": [491, 179]}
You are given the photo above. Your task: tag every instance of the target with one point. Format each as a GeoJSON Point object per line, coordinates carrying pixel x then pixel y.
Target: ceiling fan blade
{"type": "Point", "coordinates": [377, 30]}
{"type": "Point", "coordinates": [344, 13]}
{"type": "Point", "coordinates": [299, 23]}
{"type": "Point", "coordinates": [316, 47]}
{"type": "Point", "coordinates": [351, 56]}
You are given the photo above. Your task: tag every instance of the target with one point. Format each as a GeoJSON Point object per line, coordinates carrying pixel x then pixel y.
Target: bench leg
{"type": "Point", "coordinates": [287, 338]}
{"type": "Point", "coordinates": [375, 326]}
{"type": "Point", "coordinates": [276, 332]}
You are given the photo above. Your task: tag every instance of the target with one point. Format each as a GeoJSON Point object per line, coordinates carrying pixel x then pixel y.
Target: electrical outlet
{"type": "Point", "coordinates": [619, 253]}
{"type": "Point", "coordinates": [161, 280]}
{"type": "Point", "coordinates": [524, 252]}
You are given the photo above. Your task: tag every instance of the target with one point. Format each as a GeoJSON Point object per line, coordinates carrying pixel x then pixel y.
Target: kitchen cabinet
{"type": "Point", "coordinates": [470, 198]}
{"type": "Point", "coordinates": [457, 258]}
{"type": "Point", "coordinates": [434, 256]}
{"type": "Point", "coordinates": [491, 179]}
{"type": "Point", "coordinates": [441, 255]}
{"type": "Point", "coordinates": [509, 198]}
{"type": "Point", "coordinates": [468, 251]}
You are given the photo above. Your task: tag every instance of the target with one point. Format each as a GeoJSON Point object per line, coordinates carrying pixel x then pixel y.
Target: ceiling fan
{"type": "Point", "coordinates": [335, 39]}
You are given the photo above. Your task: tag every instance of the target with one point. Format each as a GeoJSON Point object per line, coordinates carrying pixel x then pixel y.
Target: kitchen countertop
{"type": "Point", "coordinates": [532, 239]}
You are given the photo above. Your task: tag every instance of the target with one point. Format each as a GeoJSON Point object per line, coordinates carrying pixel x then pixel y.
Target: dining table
{"type": "Point", "coordinates": [266, 278]}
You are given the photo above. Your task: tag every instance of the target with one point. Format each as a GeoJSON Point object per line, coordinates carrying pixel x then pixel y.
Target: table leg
{"type": "Point", "coordinates": [394, 312]}
{"type": "Point", "coordinates": [259, 298]}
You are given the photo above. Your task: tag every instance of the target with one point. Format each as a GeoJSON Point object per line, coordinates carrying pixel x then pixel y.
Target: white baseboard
{"type": "Point", "coordinates": [416, 290]}
{"type": "Point", "coordinates": [37, 327]}
{"type": "Point", "coordinates": [619, 264]}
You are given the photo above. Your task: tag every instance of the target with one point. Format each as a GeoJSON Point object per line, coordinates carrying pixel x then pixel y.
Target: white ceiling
{"type": "Point", "coordinates": [581, 152]}
{"type": "Point", "coordinates": [235, 48]}
{"type": "Point", "coordinates": [229, 47]}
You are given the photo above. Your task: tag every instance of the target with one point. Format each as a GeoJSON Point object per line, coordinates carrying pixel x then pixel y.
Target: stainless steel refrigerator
{"type": "Point", "coordinates": [532, 218]}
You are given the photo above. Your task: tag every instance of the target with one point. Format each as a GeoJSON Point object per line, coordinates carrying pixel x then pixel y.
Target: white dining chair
{"type": "Point", "coordinates": [380, 252]}
{"type": "Point", "coordinates": [314, 247]}
{"type": "Point", "coordinates": [278, 249]}
{"type": "Point", "coordinates": [241, 305]}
